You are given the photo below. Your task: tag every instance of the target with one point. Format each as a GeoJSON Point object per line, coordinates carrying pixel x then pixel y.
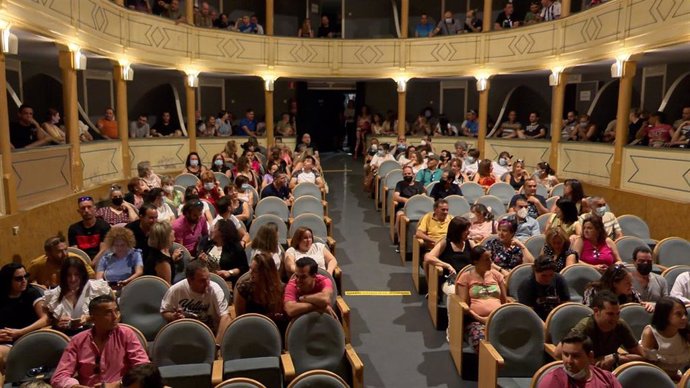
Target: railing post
{"type": "Point", "coordinates": [557, 101]}
{"type": "Point", "coordinates": [71, 114]}
{"type": "Point", "coordinates": [269, 18]}
{"type": "Point", "coordinates": [483, 117]}
{"type": "Point", "coordinates": [622, 120]}
{"type": "Point", "coordinates": [404, 18]}
{"type": "Point", "coordinates": [122, 117]}
{"type": "Point", "coordinates": [8, 182]}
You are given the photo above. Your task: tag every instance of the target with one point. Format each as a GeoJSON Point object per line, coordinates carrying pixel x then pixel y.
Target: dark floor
{"type": "Point", "coordinates": [393, 335]}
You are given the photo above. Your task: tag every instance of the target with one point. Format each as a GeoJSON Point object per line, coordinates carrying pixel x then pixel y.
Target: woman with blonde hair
{"type": "Point", "coordinates": [229, 153]}
{"type": "Point", "coordinates": [121, 263]}
{"type": "Point", "coordinates": [305, 31]}
{"type": "Point", "coordinates": [557, 246]}
{"type": "Point", "coordinates": [161, 261]}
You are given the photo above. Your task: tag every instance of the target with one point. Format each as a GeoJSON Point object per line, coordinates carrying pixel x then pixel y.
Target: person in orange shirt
{"type": "Point", "coordinates": [107, 125]}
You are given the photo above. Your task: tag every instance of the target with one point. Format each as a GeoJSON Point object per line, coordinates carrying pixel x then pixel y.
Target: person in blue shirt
{"type": "Point", "coordinates": [122, 262]}
{"type": "Point", "coordinates": [430, 174]}
{"type": "Point", "coordinates": [279, 188]}
{"type": "Point", "coordinates": [470, 127]}
{"type": "Point", "coordinates": [248, 124]}
{"type": "Point", "coordinates": [424, 28]}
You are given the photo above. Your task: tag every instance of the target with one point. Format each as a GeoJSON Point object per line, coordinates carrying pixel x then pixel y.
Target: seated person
{"type": "Point", "coordinates": [302, 244]}
{"type": "Point", "coordinates": [509, 129]}
{"type": "Point", "coordinates": [431, 173]}
{"type": "Point", "coordinates": [593, 247]}
{"type": "Point", "coordinates": [569, 126]}
{"type": "Point", "coordinates": [266, 241]}
{"type": "Point", "coordinates": [578, 353]}
{"type": "Point", "coordinates": [262, 291]}
{"type": "Point", "coordinates": [666, 342]}
{"type": "Point", "coordinates": [248, 124]}
{"type": "Point", "coordinates": [84, 364]}
{"type": "Point", "coordinates": [656, 133]}
{"type": "Point", "coordinates": [608, 333]}
{"type": "Point", "coordinates": [483, 224]}
{"type": "Point", "coordinates": [308, 173]}
{"type": "Point", "coordinates": [148, 215]}
{"type": "Point", "coordinates": [68, 303]}
{"type": "Point", "coordinates": [51, 128]}
{"type": "Point", "coordinates": [434, 225]}
{"type": "Point", "coordinates": [308, 145]}
{"type": "Point", "coordinates": [190, 226]}
{"type": "Point", "coordinates": [507, 252]}
{"type": "Point", "coordinates": [89, 233]}
{"type": "Point", "coordinates": [140, 128]}
{"type": "Point", "coordinates": [199, 298]}
{"type": "Point", "coordinates": [599, 207]}
{"type": "Point", "coordinates": [26, 132]}
{"type": "Point", "coordinates": [226, 213]}
{"type": "Point", "coordinates": [161, 259]}
{"type": "Point", "coordinates": [446, 186]}
{"type": "Point", "coordinates": [485, 174]}
{"type": "Point", "coordinates": [223, 253]}
{"type": "Point", "coordinates": [483, 289]}
{"type": "Point", "coordinates": [122, 262]}
{"type": "Point", "coordinates": [681, 136]}
{"type": "Point", "coordinates": [279, 188]}
{"type": "Point", "coordinates": [21, 308]}
{"type": "Point", "coordinates": [471, 163]}
{"type": "Point", "coordinates": [308, 291]}
{"type": "Point", "coordinates": [284, 126]}
{"type": "Point", "coordinates": [649, 285]}
{"type": "Point", "coordinates": [143, 375]}
{"type": "Point", "coordinates": [118, 210]}
{"type": "Point", "coordinates": [533, 130]}
{"type": "Point", "coordinates": [545, 175]}
{"type": "Point", "coordinates": [209, 188]}
{"type": "Point", "coordinates": [146, 173]}
{"type": "Point", "coordinates": [165, 127]}
{"type": "Point", "coordinates": [618, 281]}
{"type": "Point", "coordinates": [136, 191]}
{"type": "Point", "coordinates": [107, 125]}
{"type": "Point", "coordinates": [681, 288]}
{"type": "Point", "coordinates": [45, 269]}
{"type": "Point", "coordinates": [156, 197]}
{"type": "Point", "coordinates": [526, 226]}
{"type": "Point", "coordinates": [545, 288]}
{"type": "Point", "coordinates": [557, 245]}
{"type": "Point", "coordinates": [517, 177]}
{"type": "Point", "coordinates": [585, 130]}
{"type": "Point", "coordinates": [565, 218]}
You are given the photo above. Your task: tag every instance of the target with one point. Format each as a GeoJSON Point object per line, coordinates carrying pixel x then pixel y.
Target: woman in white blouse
{"type": "Point", "coordinates": [301, 245]}
{"type": "Point", "coordinates": [68, 304]}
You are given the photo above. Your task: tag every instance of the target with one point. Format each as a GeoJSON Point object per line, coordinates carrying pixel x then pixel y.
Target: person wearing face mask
{"type": "Point", "coordinates": [650, 286]}
{"type": "Point", "coordinates": [585, 129]}
{"type": "Point", "coordinates": [208, 188]}
{"type": "Point", "coordinates": [218, 165]}
{"type": "Point", "coordinates": [172, 196]}
{"type": "Point", "coordinates": [405, 189]}
{"type": "Point", "coordinates": [448, 26]}
{"type": "Point", "coordinates": [502, 166]}
{"type": "Point", "coordinates": [578, 370]}
{"type": "Point", "coordinates": [193, 165]}
{"type": "Point", "coordinates": [382, 154]}
{"type": "Point", "coordinates": [118, 211]}
{"type": "Point", "coordinates": [599, 208]}
{"type": "Point", "coordinates": [526, 225]}
{"type": "Point", "coordinates": [446, 186]}
{"type": "Point", "coordinates": [471, 163]}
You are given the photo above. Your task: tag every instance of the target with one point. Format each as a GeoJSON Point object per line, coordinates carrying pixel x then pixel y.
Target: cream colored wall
{"type": "Point", "coordinates": [165, 154]}
{"type": "Point", "coordinates": [596, 34]}
{"type": "Point", "coordinates": [588, 162]}
{"type": "Point", "coordinates": [661, 173]}
{"type": "Point", "coordinates": [102, 162]}
{"type": "Point", "coordinates": [42, 174]}
{"type": "Point", "coordinates": [209, 146]}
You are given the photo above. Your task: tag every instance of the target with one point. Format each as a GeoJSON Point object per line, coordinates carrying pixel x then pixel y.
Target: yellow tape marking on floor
{"type": "Point", "coordinates": [377, 293]}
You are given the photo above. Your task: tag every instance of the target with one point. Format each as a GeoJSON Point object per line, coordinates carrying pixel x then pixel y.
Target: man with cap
{"type": "Point", "coordinates": [431, 173]}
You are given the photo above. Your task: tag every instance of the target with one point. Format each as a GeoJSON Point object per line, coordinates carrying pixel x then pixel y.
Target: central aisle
{"type": "Point", "coordinates": [392, 334]}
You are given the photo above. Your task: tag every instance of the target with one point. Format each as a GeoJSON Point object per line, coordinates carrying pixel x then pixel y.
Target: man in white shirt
{"type": "Point", "coordinates": [681, 288]}
{"type": "Point", "coordinates": [551, 10]}
{"type": "Point", "coordinates": [199, 298]}
{"type": "Point", "coordinates": [307, 174]}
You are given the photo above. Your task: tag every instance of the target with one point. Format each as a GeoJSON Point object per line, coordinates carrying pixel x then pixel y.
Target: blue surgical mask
{"type": "Point", "coordinates": [246, 186]}
{"type": "Point", "coordinates": [601, 210]}
{"type": "Point", "coordinates": [470, 160]}
{"type": "Point", "coordinates": [193, 162]}
{"type": "Point", "coordinates": [503, 161]}
{"type": "Point", "coordinates": [218, 162]}
{"type": "Point", "coordinates": [209, 186]}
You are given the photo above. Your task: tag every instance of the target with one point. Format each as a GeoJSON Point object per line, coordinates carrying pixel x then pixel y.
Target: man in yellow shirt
{"type": "Point", "coordinates": [434, 225]}
{"type": "Point", "coordinates": [45, 269]}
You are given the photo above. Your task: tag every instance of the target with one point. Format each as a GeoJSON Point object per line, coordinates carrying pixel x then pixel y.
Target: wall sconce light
{"type": "Point", "coordinates": [555, 76]}
{"type": "Point", "coordinates": [402, 84]}
{"type": "Point", "coordinates": [269, 82]}
{"type": "Point", "coordinates": [9, 41]}
{"type": "Point", "coordinates": [482, 82]}
{"type": "Point", "coordinates": [618, 67]}
{"type": "Point", "coordinates": [192, 78]}
{"type": "Point", "coordinates": [126, 71]}
{"type": "Point", "coordinates": [78, 59]}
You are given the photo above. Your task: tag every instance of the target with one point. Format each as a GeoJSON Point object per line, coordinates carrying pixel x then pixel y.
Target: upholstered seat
{"type": "Point", "coordinates": [140, 304]}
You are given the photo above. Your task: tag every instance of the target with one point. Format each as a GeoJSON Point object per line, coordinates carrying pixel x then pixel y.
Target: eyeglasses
{"type": "Point", "coordinates": [85, 198]}
{"type": "Point", "coordinates": [20, 278]}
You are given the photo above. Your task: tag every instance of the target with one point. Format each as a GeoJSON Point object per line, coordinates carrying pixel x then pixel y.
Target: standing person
{"type": "Point", "coordinates": [363, 129]}
{"type": "Point", "coordinates": [424, 28]}
{"type": "Point", "coordinates": [448, 26]}
{"type": "Point", "coordinates": [89, 233]}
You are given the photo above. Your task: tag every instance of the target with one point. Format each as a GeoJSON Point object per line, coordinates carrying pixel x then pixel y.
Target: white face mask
{"type": "Point", "coordinates": [470, 160]}
{"type": "Point", "coordinates": [522, 213]}
{"type": "Point", "coordinates": [449, 20]}
{"type": "Point", "coordinates": [601, 210]}
{"type": "Point", "coordinates": [193, 162]}
{"type": "Point", "coordinates": [579, 376]}
{"type": "Point", "coordinates": [209, 185]}
{"type": "Point", "coordinates": [473, 217]}
{"type": "Point", "coordinates": [168, 189]}
{"type": "Point", "coordinates": [503, 161]}
{"type": "Point", "coordinates": [423, 142]}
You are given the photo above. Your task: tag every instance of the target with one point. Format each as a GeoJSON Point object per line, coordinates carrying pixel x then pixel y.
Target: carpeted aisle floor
{"type": "Point", "coordinates": [392, 334]}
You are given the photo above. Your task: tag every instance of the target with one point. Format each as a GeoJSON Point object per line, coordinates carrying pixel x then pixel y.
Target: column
{"type": "Point", "coordinates": [402, 107]}
{"type": "Point", "coordinates": [404, 18]}
{"type": "Point", "coordinates": [483, 118]}
{"type": "Point", "coordinates": [269, 18]}
{"type": "Point", "coordinates": [8, 183]}
{"type": "Point", "coordinates": [565, 8]}
{"type": "Point", "coordinates": [487, 20]}
{"type": "Point", "coordinates": [622, 121]}
{"type": "Point", "coordinates": [71, 115]}
{"type": "Point", "coordinates": [557, 101]}
{"type": "Point", "coordinates": [270, 119]}
{"type": "Point", "coordinates": [121, 115]}
{"type": "Point", "coordinates": [190, 95]}
{"type": "Point", "coordinates": [189, 11]}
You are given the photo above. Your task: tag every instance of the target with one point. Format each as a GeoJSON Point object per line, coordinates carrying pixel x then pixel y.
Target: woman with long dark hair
{"type": "Point", "coordinates": [666, 341]}
{"type": "Point", "coordinates": [616, 279]}
{"type": "Point", "coordinates": [565, 218]}
{"type": "Point", "coordinates": [261, 292]}
{"type": "Point", "coordinates": [223, 252]}
{"type": "Point", "coordinates": [193, 165]}
{"type": "Point", "coordinates": [594, 247]}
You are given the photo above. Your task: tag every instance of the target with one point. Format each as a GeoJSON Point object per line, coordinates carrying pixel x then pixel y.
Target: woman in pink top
{"type": "Point", "coordinates": [594, 247]}
{"type": "Point", "coordinates": [482, 223]}
{"type": "Point", "coordinates": [483, 289]}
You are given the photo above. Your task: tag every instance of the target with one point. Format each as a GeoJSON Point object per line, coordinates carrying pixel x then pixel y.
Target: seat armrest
{"type": "Point", "coordinates": [217, 372]}
{"type": "Point", "coordinates": [489, 363]}
{"type": "Point", "coordinates": [344, 311]}
{"type": "Point", "coordinates": [550, 349]}
{"type": "Point", "coordinates": [456, 328]}
{"type": "Point", "coordinates": [330, 241]}
{"type": "Point", "coordinates": [510, 299]}
{"type": "Point", "coordinates": [356, 365]}
{"type": "Point", "coordinates": [288, 367]}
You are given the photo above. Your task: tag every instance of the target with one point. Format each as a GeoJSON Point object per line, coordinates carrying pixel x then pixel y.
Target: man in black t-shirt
{"type": "Point", "coordinates": [533, 130]}
{"type": "Point", "coordinates": [506, 19]}
{"type": "Point", "coordinates": [325, 30]}
{"type": "Point", "coordinates": [148, 215]}
{"type": "Point", "coordinates": [308, 146]}
{"type": "Point", "coordinates": [26, 133]}
{"type": "Point", "coordinates": [279, 188]}
{"type": "Point", "coordinates": [89, 233]}
{"type": "Point", "coordinates": [165, 127]}
{"type": "Point", "coordinates": [544, 289]}
{"type": "Point", "coordinates": [404, 190]}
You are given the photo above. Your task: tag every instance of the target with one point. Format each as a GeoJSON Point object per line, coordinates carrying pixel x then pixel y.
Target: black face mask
{"type": "Point", "coordinates": [644, 268]}
{"type": "Point", "coordinates": [408, 179]}
{"type": "Point", "coordinates": [118, 201]}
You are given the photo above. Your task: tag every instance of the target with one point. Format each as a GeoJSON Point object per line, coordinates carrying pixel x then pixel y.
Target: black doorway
{"type": "Point", "coordinates": [322, 117]}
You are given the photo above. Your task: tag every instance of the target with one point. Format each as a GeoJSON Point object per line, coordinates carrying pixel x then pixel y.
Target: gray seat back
{"type": "Point", "coordinates": [562, 319]}
{"type": "Point", "coordinates": [642, 374]}
{"type": "Point", "coordinates": [503, 191]}
{"type": "Point", "coordinates": [635, 315]}
{"type": "Point", "coordinates": [240, 382]}
{"type": "Point", "coordinates": [457, 205]}
{"type": "Point", "coordinates": [307, 205]}
{"type": "Point", "coordinates": [543, 371]}
{"type": "Point", "coordinates": [471, 191]}
{"type": "Point", "coordinates": [140, 304]}
{"type": "Point", "coordinates": [557, 191]}
{"type": "Point", "coordinates": [543, 220]}
{"type": "Point", "coordinates": [186, 180]}
{"type": "Point", "coordinates": [180, 265]}
{"type": "Point", "coordinates": [185, 341]}
{"type": "Point", "coordinates": [672, 251]}
{"type": "Point", "coordinates": [517, 276]}
{"type": "Point", "coordinates": [632, 225]}
{"type": "Point", "coordinates": [318, 379]}
{"type": "Point", "coordinates": [306, 188]}
{"type": "Point", "coordinates": [392, 178]}
{"type": "Point", "coordinates": [670, 274]}
{"type": "Point", "coordinates": [488, 238]}
{"type": "Point", "coordinates": [534, 244]}
{"type": "Point", "coordinates": [316, 341]}
{"type": "Point", "coordinates": [41, 348]}
{"type": "Point", "coordinates": [311, 221]}
{"type": "Point", "coordinates": [266, 219]}
{"type": "Point", "coordinates": [626, 246]}
{"type": "Point", "coordinates": [386, 167]}
{"type": "Point", "coordinates": [550, 202]}
{"type": "Point", "coordinates": [578, 277]}
{"type": "Point", "coordinates": [222, 179]}
{"type": "Point", "coordinates": [517, 333]}
{"type": "Point", "coordinates": [223, 286]}
{"type": "Point", "coordinates": [542, 190]}
{"type": "Point", "coordinates": [250, 336]}
{"type": "Point", "coordinates": [325, 273]}
{"type": "Point", "coordinates": [494, 203]}
{"type": "Point", "coordinates": [417, 206]}
{"type": "Point", "coordinates": [272, 205]}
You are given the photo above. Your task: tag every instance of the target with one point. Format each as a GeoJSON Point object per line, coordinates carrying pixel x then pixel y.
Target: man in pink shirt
{"type": "Point", "coordinates": [578, 370]}
{"type": "Point", "coordinates": [102, 355]}
{"type": "Point", "coordinates": [190, 226]}
{"type": "Point", "coordinates": [657, 132]}
{"type": "Point", "coordinates": [308, 291]}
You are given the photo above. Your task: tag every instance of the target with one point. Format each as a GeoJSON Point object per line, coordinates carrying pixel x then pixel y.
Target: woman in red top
{"type": "Point", "coordinates": [209, 189]}
{"type": "Point", "coordinates": [485, 176]}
